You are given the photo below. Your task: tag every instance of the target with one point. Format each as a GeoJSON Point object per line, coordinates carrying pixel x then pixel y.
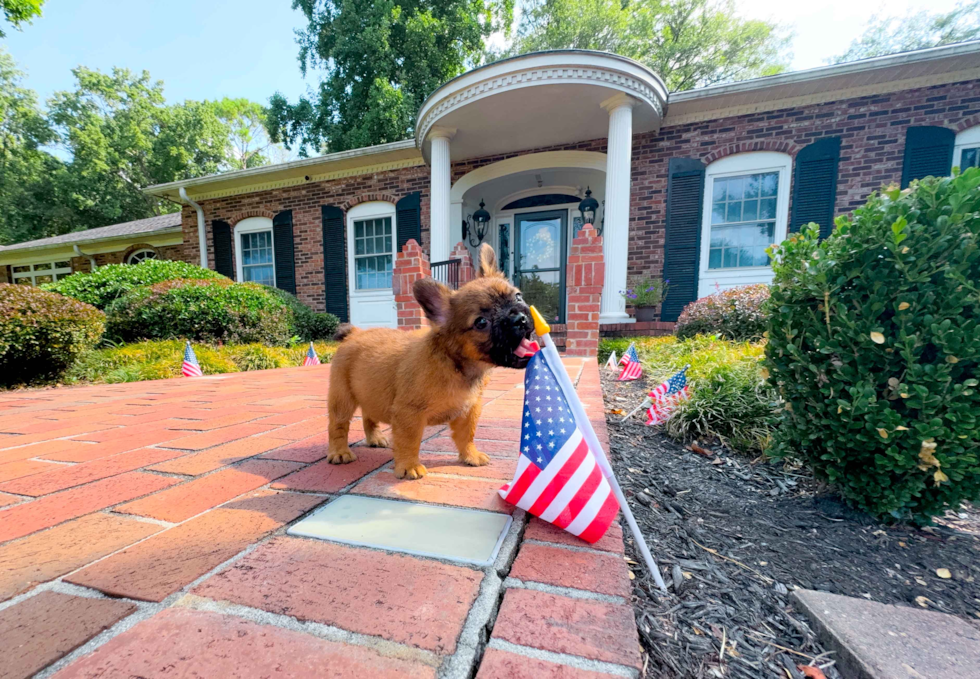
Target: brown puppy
{"type": "Point", "coordinates": [414, 379]}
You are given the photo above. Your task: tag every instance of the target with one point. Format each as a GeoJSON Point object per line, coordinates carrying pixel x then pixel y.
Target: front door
{"type": "Point", "coordinates": [539, 261]}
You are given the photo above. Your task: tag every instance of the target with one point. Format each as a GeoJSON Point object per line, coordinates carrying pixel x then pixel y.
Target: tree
{"type": "Point", "coordinates": [380, 58]}
{"type": "Point", "coordinates": [122, 137]}
{"type": "Point", "coordinates": [19, 12]}
{"type": "Point", "coordinates": [888, 35]}
{"type": "Point", "coordinates": [248, 141]}
{"type": "Point", "coordinates": [689, 43]}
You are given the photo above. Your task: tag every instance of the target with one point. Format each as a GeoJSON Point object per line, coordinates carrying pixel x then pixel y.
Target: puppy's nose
{"type": "Point", "coordinates": [517, 317]}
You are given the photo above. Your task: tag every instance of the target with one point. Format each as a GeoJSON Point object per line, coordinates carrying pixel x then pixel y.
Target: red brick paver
{"type": "Point", "coordinates": [461, 492]}
{"type": "Point", "coordinates": [595, 572]}
{"type": "Point", "coordinates": [324, 477]}
{"type": "Point", "coordinates": [499, 664]}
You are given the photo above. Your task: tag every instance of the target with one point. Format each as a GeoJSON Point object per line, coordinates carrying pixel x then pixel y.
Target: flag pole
{"type": "Point", "coordinates": [543, 331]}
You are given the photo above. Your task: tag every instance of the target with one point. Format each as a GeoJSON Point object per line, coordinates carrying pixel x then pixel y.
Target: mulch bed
{"type": "Point", "coordinates": [737, 535]}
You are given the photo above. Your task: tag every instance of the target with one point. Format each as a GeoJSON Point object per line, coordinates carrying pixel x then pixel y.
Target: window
{"type": "Point", "coordinates": [38, 274]}
{"type": "Point", "coordinates": [966, 152]}
{"type": "Point", "coordinates": [745, 210]}
{"type": "Point", "coordinates": [743, 220]}
{"type": "Point", "coordinates": [372, 253]}
{"type": "Point", "coordinates": [254, 251]}
{"type": "Point", "coordinates": [141, 255]}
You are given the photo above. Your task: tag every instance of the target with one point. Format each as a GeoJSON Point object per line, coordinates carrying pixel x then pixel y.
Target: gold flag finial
{"type": "Point", "coordinates": [541, 326]}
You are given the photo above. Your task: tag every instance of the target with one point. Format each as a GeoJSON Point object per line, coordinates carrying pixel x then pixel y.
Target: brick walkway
{"type": "Point", "coordinates": [142, 533]}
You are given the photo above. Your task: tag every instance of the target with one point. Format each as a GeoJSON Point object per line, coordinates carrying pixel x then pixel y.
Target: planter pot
{"type": "Point", "coordinates": [645, 314]}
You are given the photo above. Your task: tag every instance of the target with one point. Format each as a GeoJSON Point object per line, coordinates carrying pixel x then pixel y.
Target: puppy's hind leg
{"type": "Point", "coordinates": [341, 406]}
{"type": "Point", "coordinates": [372, 436]}
{"type": "Point", "coordinates": [464, 428]}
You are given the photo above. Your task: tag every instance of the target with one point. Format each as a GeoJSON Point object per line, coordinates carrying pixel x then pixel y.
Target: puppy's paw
{"type": "Point", "coordinates": [475, 459]}
{"type": "Point", "coordinates": [410, 471]}
{"type": "Point", "coordinates": [379, 441]}
{"type": "Point", "coordinates": [343, 457]}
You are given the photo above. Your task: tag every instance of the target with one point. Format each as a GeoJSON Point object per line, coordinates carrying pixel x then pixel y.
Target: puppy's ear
{"type": "Point", "coordinates": [487, 262]}
{"type": "Point", "coordinates": [434, 298]}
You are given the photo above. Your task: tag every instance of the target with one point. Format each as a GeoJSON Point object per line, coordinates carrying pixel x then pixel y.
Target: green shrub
{"type": "Point", "coordinates": [200, 310]}
{"type": "Point", "coordinates": [161, 359]}
{"type": "Point", "coordinates": [41, 333]}
{"type": "Point", "coordinates": [874, 345]}
{"type": "Point", "coordinates": [735, 314]}
{"type": "Point", "coordinates": [729, 398]}
{"type": "Point", "coordinates": [307, 324]}
{"type": "Point", "coordinates": [112, 281]}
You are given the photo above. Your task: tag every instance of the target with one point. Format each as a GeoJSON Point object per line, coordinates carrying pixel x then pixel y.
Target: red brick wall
{"type": "Point", "coordinates": [305, 202]}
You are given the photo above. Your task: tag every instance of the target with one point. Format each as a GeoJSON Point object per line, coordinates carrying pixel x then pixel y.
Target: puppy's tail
{"type": "Point", "coordinates": [344, 330]}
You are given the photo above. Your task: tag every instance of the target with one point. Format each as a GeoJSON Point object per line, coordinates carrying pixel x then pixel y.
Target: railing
{"type": "Point", "coordinates": [447, 272]}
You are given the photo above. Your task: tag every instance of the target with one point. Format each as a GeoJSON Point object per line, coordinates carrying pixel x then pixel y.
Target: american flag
{"type": "Point", "coordinates": [632, 368]}
{"type": "Point", "coordinates": [665, 397]}
{"type": "Point", "coordinates": [557, 477]}
{"type": "Point", "coordinates": [311, 358]}
{"type": "Point", "coordinates": [191, 367]}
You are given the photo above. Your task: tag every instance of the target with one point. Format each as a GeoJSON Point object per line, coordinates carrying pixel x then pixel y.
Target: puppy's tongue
{"type": "Point", "coordinates": [526, 348]}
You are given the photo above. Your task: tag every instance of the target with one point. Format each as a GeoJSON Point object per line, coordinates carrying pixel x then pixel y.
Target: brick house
{"type": "Point", "coordinates": [691, 187]}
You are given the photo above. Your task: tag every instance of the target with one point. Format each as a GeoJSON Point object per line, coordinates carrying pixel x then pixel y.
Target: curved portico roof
{"type": "Point", "coordinates": [538, 100]}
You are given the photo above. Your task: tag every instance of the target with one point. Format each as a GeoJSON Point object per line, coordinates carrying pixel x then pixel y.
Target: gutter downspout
{"type": "Point", "coordinates": [91, 259]}
{"type": "Point", "coordinates": [202, 236]}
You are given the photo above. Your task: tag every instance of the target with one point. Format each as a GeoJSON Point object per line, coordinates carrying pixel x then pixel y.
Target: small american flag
{"type": "Point", "coordinates": [632, 368]}
{"type": "Point", "coordinates": [191, 367]}
{"type": "Point", "coordinates": [557, 477]}
{"type": "Point", "coordinates": [665, 398]}
{"type": "Point", "coordinates": [311, 358]}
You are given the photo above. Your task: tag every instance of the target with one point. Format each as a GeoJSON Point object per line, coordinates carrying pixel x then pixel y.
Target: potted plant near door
{"type": "Point", "coordinates": [645, 294]}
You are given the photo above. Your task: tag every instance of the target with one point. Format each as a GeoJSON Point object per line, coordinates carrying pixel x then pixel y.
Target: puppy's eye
{"type": "Point", "coordinates": [481, 323]}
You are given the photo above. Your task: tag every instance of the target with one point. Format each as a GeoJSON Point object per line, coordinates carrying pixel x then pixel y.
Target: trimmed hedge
{"type": "Point", "coordinates": [200, 310]}
{"type": "Point", "coordinates": [735, 314]}
{"type": "Point", "coordinates": [41, 333]}
{"type": "Point", "coordinates": [108, 283]}
{"type": "Point", "coordinates": [874, 344]}
{"type": "Point", "coordinates": [307, 324]}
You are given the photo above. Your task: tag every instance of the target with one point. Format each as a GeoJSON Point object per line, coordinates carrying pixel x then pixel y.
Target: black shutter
{"type": "Point", "coordinates": [223, 263]}
{"type": "Point", "coordinates": [334, 262]}
{"type": "Point", "coordinates": [282, 241]}
{"type": "Point", "coordinates": [815, 185]}
{"type": "Point", "coordinates": [928, 153]}
{"type": "Point", "coordinates": [408, 219]}
{"type": "Point", "coordinates": [682, 246]}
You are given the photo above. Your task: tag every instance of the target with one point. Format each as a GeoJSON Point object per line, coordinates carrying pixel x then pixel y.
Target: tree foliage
{"type": "Point", "coordinates": [915, 31]}
{"type": "Point", "coordinates": [380, 60]}
{"type": "Point", "coordinates": [248, 142]}
{"type": "Point", "coordinates": [689, 43]}
{"type": "Point", "coordinates": [18, 12]}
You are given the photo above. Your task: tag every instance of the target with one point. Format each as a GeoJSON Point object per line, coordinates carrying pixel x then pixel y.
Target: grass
{"type": "Point", "coordinates": [729, 399]}
{"type": "Point", "coordinates": [161, 359]}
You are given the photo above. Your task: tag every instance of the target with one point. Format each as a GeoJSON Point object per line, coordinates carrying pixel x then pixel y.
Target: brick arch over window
{"type": "Point", "coordinates": [749, 146]}
{"type": "Point", "coordinates": [967, 123]}
{"type": "Point", "coordinates": [138, 246]}
{"type": "Point", "coordinates": [245, 214]}
{"type": "Point", "coordinates": [367, 198]}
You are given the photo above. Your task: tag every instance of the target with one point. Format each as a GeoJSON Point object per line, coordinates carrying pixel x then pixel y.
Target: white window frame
{"type": "Point", "coordinates": [755, 162]}
{"type": "Point", "coordinates": [364, 212]}
{"type": "Point", "coordinates": [129, 259]}
{"type": "Point", "coordinates": [967, 139]}
{"type": "Point", "coordinates": [253, 225]}
{"type": "Point", "coordinates": [33, 273]}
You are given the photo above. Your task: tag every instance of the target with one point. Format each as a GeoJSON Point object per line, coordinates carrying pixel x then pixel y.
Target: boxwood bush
{"type": "Point", "coordinates": [735, 314]}
{"type": "Point", "coordinates": [214, 310]}
{"type": "Point", "coordinates": [112, 281]}
{"type": "Point", "coordinates": [307, 324]}
{"type": "Point", "coordinates": [874, 346]}
{"type": "Point", "coordinates": [41, 333]}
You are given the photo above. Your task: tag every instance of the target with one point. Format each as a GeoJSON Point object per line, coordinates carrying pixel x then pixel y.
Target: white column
{"type": "Point", "coordinates": [439, 211]}
{"type": "Point", "coordinates": [615, 234]}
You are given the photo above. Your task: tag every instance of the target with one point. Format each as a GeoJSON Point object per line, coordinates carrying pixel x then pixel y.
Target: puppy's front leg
{"type": "Point", "coordinates": [464, 428]}
{"type": "Point", "coordinates": [407, 429]}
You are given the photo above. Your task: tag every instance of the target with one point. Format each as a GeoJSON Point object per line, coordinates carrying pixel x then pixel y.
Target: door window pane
{"type": "Point", "coordinates": [970, 158]}
{"type": "Point", "coordinates": [542, 289]}
{"type": "Point", "coordinates": [257, 262]}
{"type": "Point", "coordinates": [372, 254]}
{"type": "Point", "coordinates": [541, 244]}
{"type": "Point", "coordinates": [743, 220]}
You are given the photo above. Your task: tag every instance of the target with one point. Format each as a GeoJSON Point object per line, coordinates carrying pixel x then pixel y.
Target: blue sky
{"type": "Point", "coordinates": [208, 49]}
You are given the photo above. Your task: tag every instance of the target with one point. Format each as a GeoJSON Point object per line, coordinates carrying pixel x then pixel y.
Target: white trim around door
{"type": "Point", "coordinates": [371, 251]}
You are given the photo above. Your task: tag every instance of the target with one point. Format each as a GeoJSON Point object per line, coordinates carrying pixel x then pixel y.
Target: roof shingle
{"type": "Point", "coordinates": [134, 228]}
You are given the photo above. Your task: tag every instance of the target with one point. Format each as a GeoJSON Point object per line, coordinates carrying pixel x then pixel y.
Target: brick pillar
{"type": "Point", "coordinates": [583, 288]}
{"type": "Point", "coordinates": [410, 266]}
{"type": "Point", "coordinates": [466, 270]}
